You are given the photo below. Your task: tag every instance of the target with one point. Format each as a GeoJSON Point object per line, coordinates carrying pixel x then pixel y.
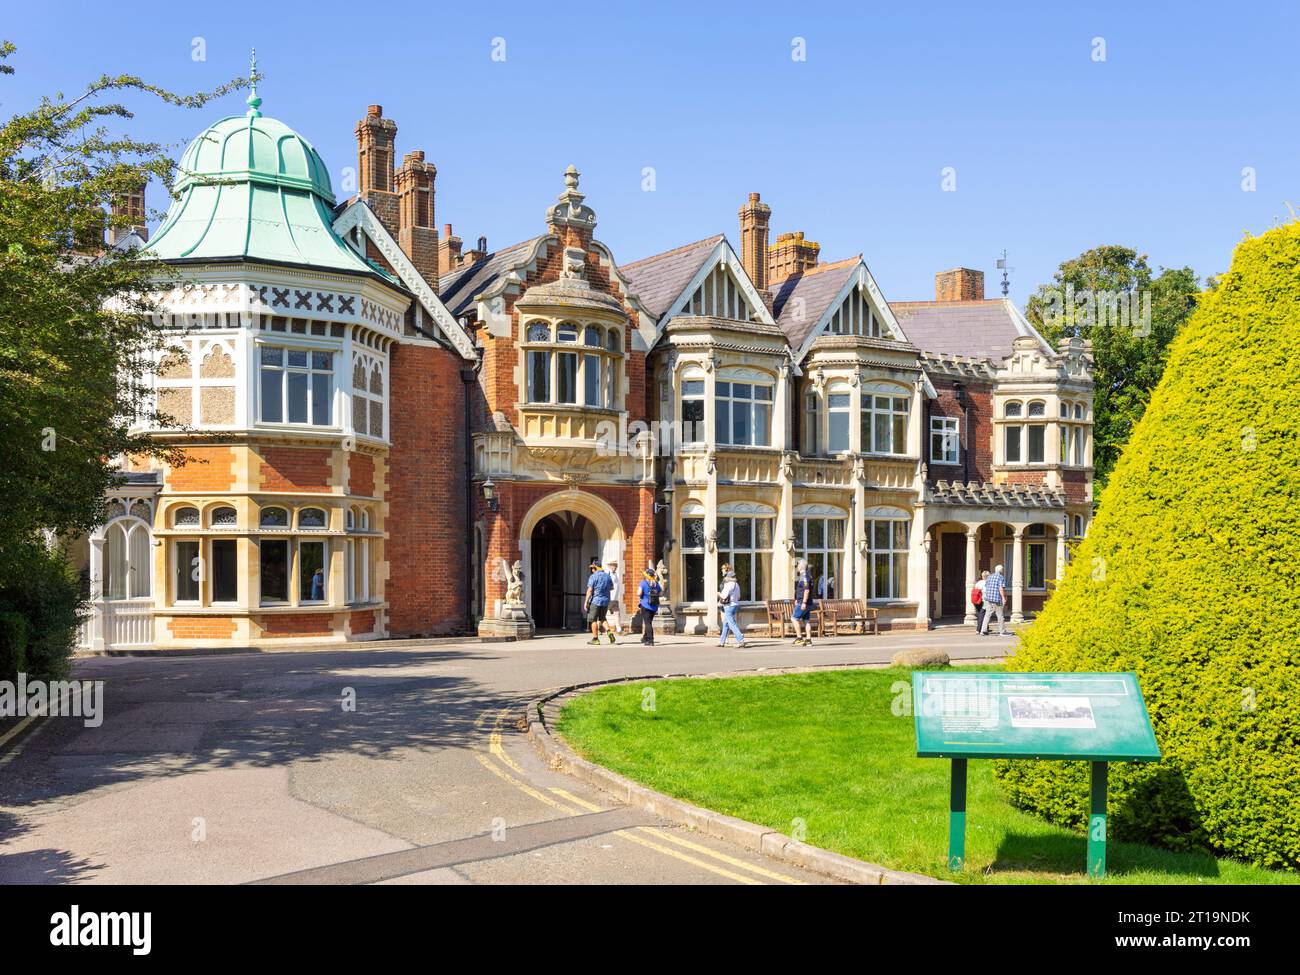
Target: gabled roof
{"type": "Point", "coordinates": [358, 214]}
{"type": "Point", "coordinates": [458, 288]}
{"type": "Point", "coordinates": [800, 301]}
{"type": "Point", "coordinates": [660, 279]}
{"type": "Point", "coordinates": [981, 329]}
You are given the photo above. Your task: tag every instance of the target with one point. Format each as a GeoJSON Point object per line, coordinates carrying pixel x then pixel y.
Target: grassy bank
{"type": "Point", "coordinates": [827, 751]}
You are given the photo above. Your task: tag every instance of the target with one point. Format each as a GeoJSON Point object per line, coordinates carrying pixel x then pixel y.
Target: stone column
{"type": "Point", "coordinates": [972, 569]}
{"type": "Point", "coordinates": [1018, 576]}
{"type": "Point", "coordinates": [97, 594]}
{"type": "Point", "coordinates": [782, 558]}
{"type": "Point", "coordinates": [711, 580]}
{"type": "Point", "coordinates": [918, 573]}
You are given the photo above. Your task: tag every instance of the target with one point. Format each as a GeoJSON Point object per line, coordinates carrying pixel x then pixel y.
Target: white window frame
{"type": "Point", "coordinates": [285, 370]}
{"type": "Point", "coordinates": [727, 552]}
{"type": "Point", "coordinates": [750, 403]}
{"type": "Point", "coordinates": [948, 429]}
{"type": "Point", "coordinates": [871, 409]}
{"type": "Point", "coordinates": [892, 552]}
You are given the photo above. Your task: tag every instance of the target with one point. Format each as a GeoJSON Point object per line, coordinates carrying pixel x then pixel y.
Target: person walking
{"type": "Point", "coordinates": [803, 605]}
{"type": "Point", "coordinates": [977, 599]}
{"type": "Point", "coordinates": [729, 596]}
{"type": "Point", "coordinates": [615, 615]}
{"type": "Point", "coordinates": [648, 593]}
{"type": "Point", "coordinates": [596, 602]}
{"type": "Point", "coordinates": [995, 601]}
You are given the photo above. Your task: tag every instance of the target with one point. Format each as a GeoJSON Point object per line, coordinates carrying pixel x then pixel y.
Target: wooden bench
{"type": "Point", "coordinates": [779, 613]}
{"type": "Point", "coordinates": [852, 613]}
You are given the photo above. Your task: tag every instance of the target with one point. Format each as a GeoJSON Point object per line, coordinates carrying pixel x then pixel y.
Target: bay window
{"type": "Point", "coordinates": [743, 413]}
{"type": "Point", "coordinates": [569, 364]}
{"type": "Point", "coordinates": [296, 386]}
{"type": "Point", "coordinates": [746, 543]}
{"type": "Point", "coordinates": [884, 423]}
{"type": "Point", "coordinates": [1025, 442]}
{"type": "Point", "coordinates": [820, 541]}
{"type": "Point", "coordinates": [887, 557]}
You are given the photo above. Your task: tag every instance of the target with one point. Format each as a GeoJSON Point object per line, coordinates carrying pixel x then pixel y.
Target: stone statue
{"type": "Point", "coordinates": [661, 573]}
{"type": "Point", "coordinates": [515, 584]}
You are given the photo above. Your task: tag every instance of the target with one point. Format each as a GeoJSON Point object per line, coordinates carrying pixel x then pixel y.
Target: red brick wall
{"type": "Point", "coordinates": [1034, 478]}
{"type": "Point", "coordinates": [1076, 485]}
{"type": "Point", "coordinates": [295, 469]}
{"type": "Point", "coordinates": [362, 623]}
{"type": "Point", "coordinates": [296, 624]}
{"type": "Point", "coordinates": [427, 497]}
{"type": "Point", "coordinates": [202, 627]}
{"type": "Point", "coordinates": [633, 505]}
{"type": "Point", "coordinates": [361, 475]}
{"type": "Point", "coordinates": [977, 437]}
{"type": "Point", "coordinates": [207, 469]}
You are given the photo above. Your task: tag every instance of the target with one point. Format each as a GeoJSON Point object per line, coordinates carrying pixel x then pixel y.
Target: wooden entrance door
{"type": "Point", "coordinates": [548, 575]}
{"type": "Point", "coordinates": [952, 599]}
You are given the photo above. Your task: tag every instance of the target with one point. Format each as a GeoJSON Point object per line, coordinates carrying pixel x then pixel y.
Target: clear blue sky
{"type": "Point", "coordinates": [1054, 152]}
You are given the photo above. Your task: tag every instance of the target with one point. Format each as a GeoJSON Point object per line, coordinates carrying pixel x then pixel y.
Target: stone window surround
{"type": "Point", "coordinates": [609, 359]}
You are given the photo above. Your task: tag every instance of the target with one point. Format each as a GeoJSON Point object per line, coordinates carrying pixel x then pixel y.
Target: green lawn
{"type": "Point", "coordinates": [826, 749]}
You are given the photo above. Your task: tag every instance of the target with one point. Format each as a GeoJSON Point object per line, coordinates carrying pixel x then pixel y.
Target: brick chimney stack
{"type": "Point", "coordinates": [479, 253]}
{"type": "Point", "coordinates": [959, 284]}
{"type": "Point", "coordinates": [790, 255]}
{"type": "Point", "coordinates": [417, 234]}
{"type": "Point", "coordinates": [376, 137]}
{"type": "Point", "coordinates": [755, 216]}
{"type": "Point", "coordinates": [130, 206]}
{"type": "Point", "coordinates": [448, 251]}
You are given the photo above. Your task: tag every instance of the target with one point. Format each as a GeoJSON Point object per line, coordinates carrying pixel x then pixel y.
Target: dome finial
{"type": "Point", "coordinates": [254, 101]}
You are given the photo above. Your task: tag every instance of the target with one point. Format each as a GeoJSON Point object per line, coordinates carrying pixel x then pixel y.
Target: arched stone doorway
{"type": "Point", "coordinates": [562, 547]}
{"type": "Point", "coordinates": [558, 537]}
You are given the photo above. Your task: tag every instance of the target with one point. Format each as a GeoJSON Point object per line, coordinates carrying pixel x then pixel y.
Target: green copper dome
{"type": "Point", "coordinates": [256, 148]}
{"type": "Point", "coordinates": [251, 188]}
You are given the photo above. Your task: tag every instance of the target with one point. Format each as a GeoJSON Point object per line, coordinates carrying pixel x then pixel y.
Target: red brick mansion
{"type": "Point", "coordinates": [380, 422]}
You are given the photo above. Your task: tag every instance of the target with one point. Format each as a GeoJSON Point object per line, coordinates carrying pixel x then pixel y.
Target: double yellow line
{"type": "Point", "coordinates": [654, 838]}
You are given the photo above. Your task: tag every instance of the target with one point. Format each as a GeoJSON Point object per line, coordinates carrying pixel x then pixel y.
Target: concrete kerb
{"type": "Point", "coordinates": [542, 714]}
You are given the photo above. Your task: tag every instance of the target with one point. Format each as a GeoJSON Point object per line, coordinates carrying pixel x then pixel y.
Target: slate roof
{"type": "Point", "coordinates": [817, 288]}
{"type": "Point", "coordinates": [458, 288]}
{"type": "Point", "coordinates": [979, 329]}
{"type": "Point", "coordinates": [659, 279]}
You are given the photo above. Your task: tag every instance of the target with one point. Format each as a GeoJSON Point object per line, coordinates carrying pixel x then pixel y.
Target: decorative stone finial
{"type": "Point", "coordinates": [570, 211]}
{"type": "Point", "coordinates": [254, 100]}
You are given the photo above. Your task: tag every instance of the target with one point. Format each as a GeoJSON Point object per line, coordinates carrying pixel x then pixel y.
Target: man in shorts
{"type": "Point", "coordinates": [596, 603]}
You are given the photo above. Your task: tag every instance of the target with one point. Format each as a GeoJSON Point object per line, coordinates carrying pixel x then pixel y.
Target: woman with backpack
{"type": "Point", "coordinates": [977, 600]}
{"type": "Point", "coordinates": [648, 593]}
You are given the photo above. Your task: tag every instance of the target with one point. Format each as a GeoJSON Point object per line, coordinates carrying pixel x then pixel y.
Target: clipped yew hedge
{"type": "Point", "coordinates": [1190, 576]}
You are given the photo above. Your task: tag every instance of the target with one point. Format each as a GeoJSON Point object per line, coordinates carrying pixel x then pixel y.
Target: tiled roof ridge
{"type": "Point", "coordinates": [713, 240]}
{"type": "Point", "coordinates": [939, 304]}
{"type": "Point", "coordinates": [457, 271]}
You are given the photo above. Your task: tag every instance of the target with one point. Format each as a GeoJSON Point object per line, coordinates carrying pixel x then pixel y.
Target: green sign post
{"type": "Point", "coordinates": [1096, 718]}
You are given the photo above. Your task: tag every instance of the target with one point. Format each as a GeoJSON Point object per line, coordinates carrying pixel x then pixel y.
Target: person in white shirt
{"type": "Point", "coordinates": [615, 617]}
